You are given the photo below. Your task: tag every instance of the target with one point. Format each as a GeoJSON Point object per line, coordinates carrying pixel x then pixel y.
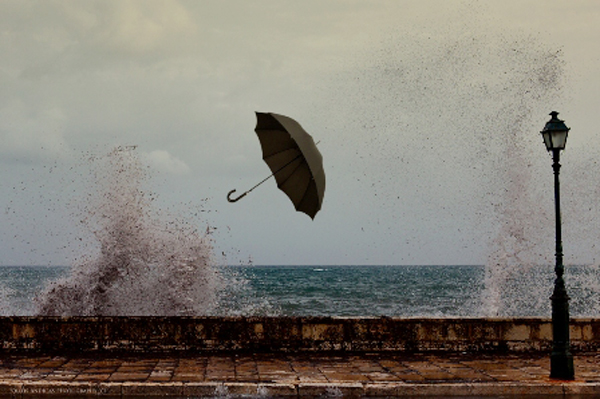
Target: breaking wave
{"type": "Point", "coordinates": [143, 263]}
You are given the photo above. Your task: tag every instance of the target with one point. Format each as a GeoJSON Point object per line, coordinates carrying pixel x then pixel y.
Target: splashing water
{"type": "Point", "coordinates": [145, 265]}
{"type": "Point", "coordinates": [452, 119]}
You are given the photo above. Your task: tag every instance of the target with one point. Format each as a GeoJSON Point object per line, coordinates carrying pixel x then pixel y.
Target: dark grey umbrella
{"type": "Point", "coordinates": [294, 159]}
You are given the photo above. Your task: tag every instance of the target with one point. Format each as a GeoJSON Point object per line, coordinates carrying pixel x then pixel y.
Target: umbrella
{"type": "Point", "coordinates": [294, 159]}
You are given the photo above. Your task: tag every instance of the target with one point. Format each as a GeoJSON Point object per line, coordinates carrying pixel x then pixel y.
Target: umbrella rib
{"type": "Point", "coordinates": [301, 202]}
{"type": "Point", "coordinates": [292, 173]}
{"type": "Point", "coordinates": [296, 148]}
{"type": "Point", "coordinates": [274, 173]}
{"type": "Point", "coordinates": [282, 151]}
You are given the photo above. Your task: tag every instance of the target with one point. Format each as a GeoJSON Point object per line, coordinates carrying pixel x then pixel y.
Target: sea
{"type": "Point", "coordinates": [308, 290]}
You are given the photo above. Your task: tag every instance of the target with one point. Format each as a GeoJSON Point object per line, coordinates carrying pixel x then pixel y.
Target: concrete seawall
{"type": "Point", "coordinates": [288, 334]}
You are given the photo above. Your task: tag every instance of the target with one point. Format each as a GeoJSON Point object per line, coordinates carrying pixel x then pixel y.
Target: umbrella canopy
{"type": "Point", "coordinates": [294, 159]}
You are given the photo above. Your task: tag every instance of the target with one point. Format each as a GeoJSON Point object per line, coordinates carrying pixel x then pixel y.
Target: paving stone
{"type": "Point", "coordinates": [202, 389]}
{"type": "Point", "coordinates": [106, 363]}
{"type": "Point", "coordinates": [190, 370]}
{"type": "Point", "coordinates": [161, 374]}
{"type": "Point", "coordinates": [9, 373]}
{"type": "Point", "coordinates": [410, 376]}
{"type": "Point", "coordinates": [61, 376]}
{"type": "Point", "coordinates": [188, 377]}
{"type": "Point", "coordinates": [128, 377]}
{"type": "Point", "coordinates": [471, 376]}
{"type": "Point", "coordinates": [578, 388]}
{"type": "Point", "coordinates": [319, 379]}
{"type": "Point", "coordinates": [32, 375]}
{"type": "Point", "coordinates": [277, 390]}
{"type": "Point", "coordinates": [110, 389]}
{"type": "Point", "coordinates": [346, 377]}
{"type": "Point", "coordinates": [390, 363]}
{"type": "Point", "coordinates": [52, 363]}
{"type": "Point", "coordinates": [285, 375]}
{"type": "Point", "coordinates": [382, 377]}
{"type": "Point", "coordinates": [438, 376]}
{"type": "Point", "coordinates": [92, 377]}
{"type": "Point", "coordinates": [346, 390]}
{"type": "Point", "coordinates": [240, 388]}
{"type": "Point", "coordinates": [387, 390]}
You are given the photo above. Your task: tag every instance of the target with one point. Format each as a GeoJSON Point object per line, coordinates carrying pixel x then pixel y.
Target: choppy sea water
{"type": "Point", "coordinates": [406, 291]}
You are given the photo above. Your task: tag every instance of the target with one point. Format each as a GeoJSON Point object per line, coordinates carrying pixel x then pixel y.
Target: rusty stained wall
{"type": "Point", "coordinates": [288, 334]}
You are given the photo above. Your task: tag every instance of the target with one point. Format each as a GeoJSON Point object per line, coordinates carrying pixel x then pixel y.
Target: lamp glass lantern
{"type": "Point", "coordinates": [555, 133]}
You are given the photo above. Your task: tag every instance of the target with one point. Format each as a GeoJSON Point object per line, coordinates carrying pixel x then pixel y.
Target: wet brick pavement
{"type": "Point", "coordinates": [291, 375]}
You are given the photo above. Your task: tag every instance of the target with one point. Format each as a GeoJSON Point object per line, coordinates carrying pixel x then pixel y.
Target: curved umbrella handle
{"type": "Point", "coordinates": [235, 199]}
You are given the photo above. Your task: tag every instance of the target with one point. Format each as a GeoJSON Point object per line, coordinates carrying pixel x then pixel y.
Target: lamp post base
{"type": "Point", "coordinates": [561, 366]}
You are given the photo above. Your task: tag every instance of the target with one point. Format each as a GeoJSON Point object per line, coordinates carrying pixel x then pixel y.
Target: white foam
{"type": "Point", "coordinates": [144, 263]}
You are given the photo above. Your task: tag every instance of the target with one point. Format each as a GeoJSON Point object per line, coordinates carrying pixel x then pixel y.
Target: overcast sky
{"type": "Point", "coordinates": [428, 113]}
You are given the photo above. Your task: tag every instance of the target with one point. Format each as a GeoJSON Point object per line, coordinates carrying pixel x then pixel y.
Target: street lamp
{"type": "Point", "coordinates": [561, 361]}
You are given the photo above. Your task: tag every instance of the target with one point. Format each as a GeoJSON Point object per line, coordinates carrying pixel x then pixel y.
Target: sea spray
{"type": "Point", "coordinates": [516, 244]}
{"type": "Point", "coordinates": [453, 118]}
{"type": "Point", "coordinates": [517, 221]}
{"type": "Point", "coordinates": [7, 306]}
{"type": "Point", "coordinates": [143, 263]}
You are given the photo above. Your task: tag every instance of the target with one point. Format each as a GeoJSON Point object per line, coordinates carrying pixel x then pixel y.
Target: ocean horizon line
{"type": "Point", "coordinates": [301, 265]}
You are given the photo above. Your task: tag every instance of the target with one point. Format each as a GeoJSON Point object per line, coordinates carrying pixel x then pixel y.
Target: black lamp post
{"type": "Point", "coordinates": [561, 361]}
